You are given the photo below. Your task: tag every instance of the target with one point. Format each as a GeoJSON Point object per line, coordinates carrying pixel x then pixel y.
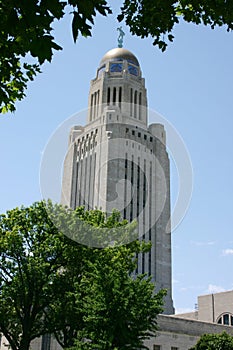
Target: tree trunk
{"type": "Point", "coordinates": [24, 344]}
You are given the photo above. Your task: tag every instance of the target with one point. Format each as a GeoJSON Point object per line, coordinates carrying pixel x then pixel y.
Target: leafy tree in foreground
{"type": "Point", "coordinates": [67, 313]}
{"type": "Point", "coordinates": [120, 311]}
{"type": "Point", "coordinates": [221, 341]}
{"type": "Point", "coordinates": [25, 271]}
{"type": "Point", "coordinates": [49, 283]}
{"type": "Point", "coordinates": [32, 256]}
{"type": "Point", "coordinates": [26, 28]}
{"type": "Point", "coordinates": [109, 308]}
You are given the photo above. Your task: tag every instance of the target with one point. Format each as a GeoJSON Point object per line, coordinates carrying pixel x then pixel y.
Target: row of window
{"type": "Point", "coordinates": [87, 136]}
{"type": "Point", "coordinates": [86, 148]}
{"type": "Point", "coordinates": [83, 193]}
{"type": "Point", "coordinates": [139, 134]}
{"type": "Point", "coordinates": [139, 147]}
{"type": "Point", "coordinates": [95, 100]}
{"type": "Point", "coordinates": [117, 67]}
{"type": "Point", "coordinates": [86, 143]}
{"type": "Point", "coordinates": [142, 188]}
{"type": "Point", "coordinates": [135, 104]}
{"type": "Point", "coordinates": [114, 96]}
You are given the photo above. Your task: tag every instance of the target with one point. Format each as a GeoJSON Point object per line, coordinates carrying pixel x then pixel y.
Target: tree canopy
{"type": "Point", "coordinates": [85, 296]}
{"type": "Point", "coordinates": [221, 341]}
{"type": "Point", "coordinates": [26, 30]}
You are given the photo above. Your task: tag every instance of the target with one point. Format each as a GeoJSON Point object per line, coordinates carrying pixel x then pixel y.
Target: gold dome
{"type": "Point", "coordinates": [119, 54]}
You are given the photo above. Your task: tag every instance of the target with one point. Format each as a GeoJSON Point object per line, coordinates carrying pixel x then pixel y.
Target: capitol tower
{"type": "Point", "coordinates": [119, 161]}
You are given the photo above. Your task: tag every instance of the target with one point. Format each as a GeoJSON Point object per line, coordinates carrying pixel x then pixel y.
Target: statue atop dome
{"type": "Point", "coordinates": [120, 37]}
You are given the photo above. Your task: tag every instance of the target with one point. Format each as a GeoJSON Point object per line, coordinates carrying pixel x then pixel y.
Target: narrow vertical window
{"type": "Point", "coordinates": [149, 256]}
{"type": "Point", "coordinates": [150, 209]}
{"type": "Point", "coordinates": [143, 261]}
{"type": "Point", "coordinates": [125, 187]}
{"type": "Point", "coordinates": [91, 112]}
{"type": "Point", "coordinates": [120, 93]}
{"type": "Point", "coordinates": [135, 103]}
{"type": "Point", "coordinates": [97, 103]}
{"type": "Point", "coordinates": [131, 102]}
{"type": "Point", "coordinates": [108, 96]}
{"type": "Point", "coordinates": [80, 183]}
{"type": "Point", "coordinates": [89, 190]}
{"type": "Point", "coordinates": [114, 96]}
{"type": "Point", "coordinates": [144, 191]}
{"type": "Point", "coordinates": [76, 186]}
{"type": "Point", "coordinates": [140, 107]}
{"type": "Point", "coordinates": [85, 182]}
{"type": "Point", "coordinates": [46, 342]}
{"type": "Point", "coordinates": [93, 182]}
{"type": "Point", "coordinates": [138, 187]}
{"type": "Point", "coordinates": [98, 97]}
{"type": "Point", "coordinates": [94, 105]}
{"type": "Point", "coordinates": [132, 184]}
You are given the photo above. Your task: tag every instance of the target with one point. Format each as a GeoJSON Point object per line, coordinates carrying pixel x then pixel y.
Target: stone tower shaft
{"type": "Point", "coordinates": [119, 162]}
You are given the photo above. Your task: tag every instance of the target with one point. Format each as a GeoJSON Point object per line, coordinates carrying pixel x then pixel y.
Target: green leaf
{"type": "Point", "coordinates": [170, 37]}
{"type": "Point", "coordinates": [76, 23]}
{"type": "Point", "coordinates": [120, 17]}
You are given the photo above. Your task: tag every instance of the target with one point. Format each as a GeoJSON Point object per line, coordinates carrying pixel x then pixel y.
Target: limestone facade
{"type": "Point", "coordinates": [176, 333]}
{"type": "Point", "coordinates": [215, 308]}
{"type": "Point", "coordinates": [119, 162]}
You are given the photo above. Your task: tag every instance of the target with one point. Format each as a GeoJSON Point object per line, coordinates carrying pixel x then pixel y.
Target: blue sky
{"type": "Point", "coordinates": [191, 86]}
